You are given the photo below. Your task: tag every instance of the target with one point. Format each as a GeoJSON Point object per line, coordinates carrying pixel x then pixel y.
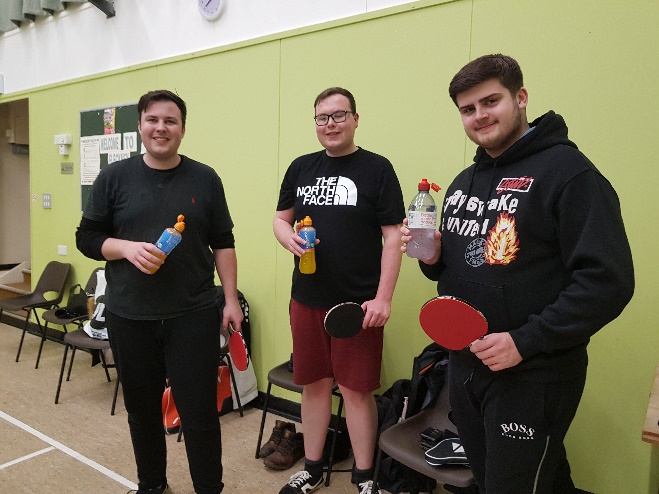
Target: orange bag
{"type": "Point", "coordinates": [170, 417]}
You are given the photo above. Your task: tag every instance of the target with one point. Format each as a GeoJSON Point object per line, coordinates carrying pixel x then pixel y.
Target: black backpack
{"type": "Point", "coordinates": [428, 373]}
{"type": "Point", "coordinates": [405, 398]}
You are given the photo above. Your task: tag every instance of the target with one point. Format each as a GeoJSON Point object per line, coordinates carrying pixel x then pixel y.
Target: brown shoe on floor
{"type": "Point", "coordinates": [275, 438]}
{"type": "Point", "coordinates": [289, 451]}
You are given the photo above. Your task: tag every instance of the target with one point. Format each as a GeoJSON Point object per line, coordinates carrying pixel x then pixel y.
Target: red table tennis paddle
{"type": "Point", "coordinates": [238, 349]}
{"type": "Point", "coordinates": [344, 320]}
{"type": "Point", "coordinates": [451, 322]}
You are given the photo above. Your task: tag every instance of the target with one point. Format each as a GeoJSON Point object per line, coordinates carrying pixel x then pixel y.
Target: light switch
{"type": "Point", "coordinates": [61, 250]}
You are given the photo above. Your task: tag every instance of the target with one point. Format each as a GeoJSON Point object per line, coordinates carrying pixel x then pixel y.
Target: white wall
{"type": "Point", "coordinates": [81, 41]}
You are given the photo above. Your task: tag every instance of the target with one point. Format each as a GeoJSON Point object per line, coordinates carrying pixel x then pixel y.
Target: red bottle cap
{"type": "Point", "coordinates": [425, 185]}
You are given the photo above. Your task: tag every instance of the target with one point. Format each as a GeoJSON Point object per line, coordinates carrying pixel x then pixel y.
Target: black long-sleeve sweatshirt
{"type": "Point", "coordinates": [535, 240]}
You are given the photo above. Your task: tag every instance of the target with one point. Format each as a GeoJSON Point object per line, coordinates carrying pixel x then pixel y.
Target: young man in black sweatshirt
{"type": "Point", "coordinates": [531, 235]}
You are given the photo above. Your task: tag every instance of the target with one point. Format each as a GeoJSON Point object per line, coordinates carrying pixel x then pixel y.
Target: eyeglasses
{"type": "Point", "coordinates": [337, 116]}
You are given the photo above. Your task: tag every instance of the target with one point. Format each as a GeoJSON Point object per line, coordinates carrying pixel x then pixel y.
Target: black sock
{"type": "Point", "coordinates": [315, 468]}
{"type": "Point", "coordinates": [359, 476]}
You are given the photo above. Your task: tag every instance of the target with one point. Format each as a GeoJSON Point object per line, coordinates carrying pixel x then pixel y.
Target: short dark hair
{"type": "Point", "coordinates": [501, 67]}
{"type": "Point", "coordinates": [336, 90]}
{"type": "Point", "coordinates": [162, 95]}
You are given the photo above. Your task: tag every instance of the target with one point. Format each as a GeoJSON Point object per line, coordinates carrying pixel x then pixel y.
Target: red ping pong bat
{"type": "Point", "coordinates": [451, 322]}
{"type": "Point", "coordinates": [344, 320]}
{"type": "Point", "coordinates": [238, 349]}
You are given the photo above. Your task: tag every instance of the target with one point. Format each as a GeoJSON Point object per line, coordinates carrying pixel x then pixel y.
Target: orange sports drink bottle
{"type": "Point", "coordinates": [308, 259]}
{"type": "Point", "coordinates": [171, 237]}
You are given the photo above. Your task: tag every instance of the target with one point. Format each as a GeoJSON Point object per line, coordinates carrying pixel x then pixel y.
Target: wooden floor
{"type": "Point", "coordinates": [78, 447]}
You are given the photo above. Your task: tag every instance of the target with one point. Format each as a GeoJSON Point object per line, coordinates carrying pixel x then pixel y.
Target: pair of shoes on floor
{"type": "Point", "coordinates": [302, 483]}
{"type": "Point", "coordinates": [275, 438]}
{"type": "Point", "coordinates": [368, 487]}
{"type": "Point", "coordinates": [289, 451]}
{"type": "Point", "coordinates": [163, 489]}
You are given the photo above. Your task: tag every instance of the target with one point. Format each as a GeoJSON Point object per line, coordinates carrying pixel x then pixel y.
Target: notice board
{"type": "Point", "coordinates": [107, 135]}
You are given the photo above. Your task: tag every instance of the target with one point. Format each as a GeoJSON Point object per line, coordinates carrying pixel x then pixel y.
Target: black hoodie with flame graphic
{"type": "Point", "coordinates": [535, 240]}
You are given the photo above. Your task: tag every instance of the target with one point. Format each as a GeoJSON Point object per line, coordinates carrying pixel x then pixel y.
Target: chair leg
{"type": "Point", "coordinates": [73, 355]}
{"type": "Point", "coordinates": [20, 345]}
{"type": "Point", "coordinates": [105, 366]}
{"type": "Point", "coordinates": [114, 399]}
{"type": "Point", "coordinates": [376, 472]}
{"type": "Point", "coordinates": [42, 330]}
{"type": "Point", "coordinates": [61, 372]}
{"type": "Point", "coordinates": [235, 388]}
{"type": "Point", "coordinates": [330, 461]}
{"type": "Point", "coordinates": [265, 410]}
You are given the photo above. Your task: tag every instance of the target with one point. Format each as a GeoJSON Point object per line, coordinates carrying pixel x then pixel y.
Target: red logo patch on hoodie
{"type": "Point", "coordinates": [520, 184]}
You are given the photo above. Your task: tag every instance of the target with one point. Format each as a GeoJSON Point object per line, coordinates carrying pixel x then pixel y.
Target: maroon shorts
{"type": "Point", "coordinates": [353, 362]}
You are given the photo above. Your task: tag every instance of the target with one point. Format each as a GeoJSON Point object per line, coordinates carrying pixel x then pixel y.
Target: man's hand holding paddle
{"type": "Point", "coordinates": [497, 350]}
{"type": "Point", "coordinates": [349, 318]}
{"type": "Point", "coordinates": [376, 313]}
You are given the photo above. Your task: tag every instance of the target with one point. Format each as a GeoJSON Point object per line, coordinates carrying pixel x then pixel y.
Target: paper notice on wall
{"type": "Point", "coordinates": [109, 120]}
{"type": "Point", "coordinates": [90, 159]}
{"type": "Point", "coordinates": [118, 156]}
{"type": "Point", "coordinates": [110, 143]}
{"type": "Point", "coordinates": [130, 142]}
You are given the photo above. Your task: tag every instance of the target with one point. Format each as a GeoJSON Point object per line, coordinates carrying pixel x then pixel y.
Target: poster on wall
{"type": "Point", "coordinates": [107, 135]}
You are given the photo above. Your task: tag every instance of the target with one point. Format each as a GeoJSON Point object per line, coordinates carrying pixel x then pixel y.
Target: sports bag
{"type": "Point", "coordinates": [170, 417]}
{"type": "Point", "coordinates": [96, 327]}
{"type": "Point", "coordinates": [76, 306]}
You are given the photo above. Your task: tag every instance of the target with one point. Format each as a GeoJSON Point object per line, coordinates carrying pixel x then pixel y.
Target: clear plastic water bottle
{"type": "Point", "coordinates": [422, 222]}
{"type": "Point", "coordinates": [308, 259]}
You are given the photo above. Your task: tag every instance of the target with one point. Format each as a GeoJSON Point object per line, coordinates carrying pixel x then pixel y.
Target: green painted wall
{"type": "Point", "coordinates": [250, 109]}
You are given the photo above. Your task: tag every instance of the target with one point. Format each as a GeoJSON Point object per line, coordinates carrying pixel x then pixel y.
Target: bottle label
{"type": "Point", "coordinates": [168, 241]}
{"type": "Point", "coordinates": [309, 237]}
{"type": "Point", "coordinates": [422, 219]}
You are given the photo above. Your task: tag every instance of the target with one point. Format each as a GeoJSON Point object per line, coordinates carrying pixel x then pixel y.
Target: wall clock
{"type": "Point", "coordinates": [211, 9]}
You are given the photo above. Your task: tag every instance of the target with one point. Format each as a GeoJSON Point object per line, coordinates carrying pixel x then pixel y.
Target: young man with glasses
{"type": "Point", "coordinates": [531, 235]}
{"type": "Point", "coordinates": [355, 201]}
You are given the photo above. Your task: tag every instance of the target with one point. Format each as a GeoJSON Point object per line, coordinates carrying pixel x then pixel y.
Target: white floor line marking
{"type": "Point", "coordinates": [69, 451]}
{"type": "Point", "coordinates": [26, 457]}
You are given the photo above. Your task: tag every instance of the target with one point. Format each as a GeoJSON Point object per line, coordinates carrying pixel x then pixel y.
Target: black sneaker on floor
{"type": "Point", "coordinates": [157, 490]}
{"type": "Point", "coordinates": [367, 487]}
{"type": "Point", "coordinates": [302, 483]}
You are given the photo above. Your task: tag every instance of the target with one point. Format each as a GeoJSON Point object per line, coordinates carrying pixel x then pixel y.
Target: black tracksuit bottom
{"type": "Point", "coordinates": [184, 349]}
{"type": "Point", "coordinates": [513, 430]}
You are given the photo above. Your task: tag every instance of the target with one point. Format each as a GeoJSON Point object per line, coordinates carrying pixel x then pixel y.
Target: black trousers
{"type": "Point", "coordinates": [513, 430]}
{"type": "Point", "coordinates": [184, 349]}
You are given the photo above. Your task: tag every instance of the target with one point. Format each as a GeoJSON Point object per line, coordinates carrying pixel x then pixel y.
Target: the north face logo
{"type": "Point", "coordinates": [330, 191]}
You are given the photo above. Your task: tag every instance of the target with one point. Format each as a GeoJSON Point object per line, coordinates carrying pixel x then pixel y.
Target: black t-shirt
{"type": "Point", "coordinates": [140, 203]}
{"type": "Point", "coordinates": [349, 199]}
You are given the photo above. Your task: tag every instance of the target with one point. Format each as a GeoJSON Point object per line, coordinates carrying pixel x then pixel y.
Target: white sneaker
{"type": "Point", "coordinates": [368, 488]}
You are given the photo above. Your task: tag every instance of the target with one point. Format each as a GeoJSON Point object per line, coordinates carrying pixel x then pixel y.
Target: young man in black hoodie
{"type": "Point", "coordinates": [531, 235]}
